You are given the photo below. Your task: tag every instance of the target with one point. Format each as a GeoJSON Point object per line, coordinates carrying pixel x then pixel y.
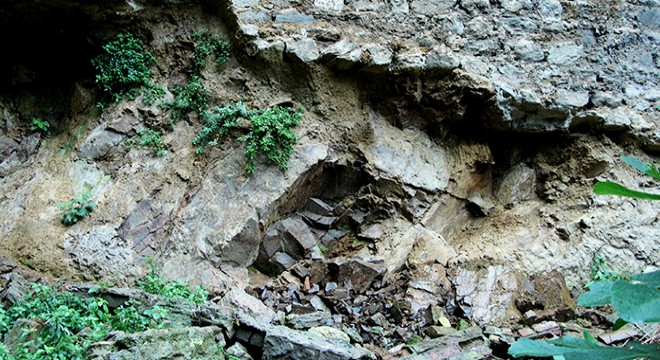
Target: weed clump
{"type": "Point", "coordinates": [269, 133]}
{"type": "Point", "coordinates": [149, 139]}
{"type": "Point", "coordinates": [76, 209]}
{"type": "Point", "coordinates": [123, 69]}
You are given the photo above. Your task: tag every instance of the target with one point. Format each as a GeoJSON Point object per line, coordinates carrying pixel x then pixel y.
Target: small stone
{"type": "Point", "coordinates": [330, 286]}
{"type": "Point", "coordinates": [437, 331]}
{"type": "Point", "coordinates": [305, 50]}
{"type": "Point", "coordinates": [318, 304]}
{"type": "Point", "coordinates": [545, 326]}
{"type": "Point", "coordinates": [378, 319]}
{"type": "Point", "coordinates": [622, 334]}
{"type": "Point", "coordinates": [564, 54]}
{"type": "Point", "coordinates": [378, 58]}
{"type": "Point", "coordinates": [306, 321]}
{"type": "Point", "coordinates": [293, 16]}
{"type": "Point", "coordinates": [284, 260]}
{"type": "Point", "coordinates": [526, 332]}
{"type": "Point", "coordinates": [239, 351]}
{"type": "Point", "coordinates": [353, 334]}
{"type": "Point", "coordinates": [330, 333]}
{"type": "Point", "coordinates": [318, 207]}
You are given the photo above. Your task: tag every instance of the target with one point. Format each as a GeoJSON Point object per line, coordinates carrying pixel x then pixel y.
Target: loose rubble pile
{"type": "Point", "coordinates": [371, 320]}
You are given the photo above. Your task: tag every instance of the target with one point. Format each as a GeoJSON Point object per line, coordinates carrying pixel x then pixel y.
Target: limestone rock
{"type": "Point", "coordinates": [99, 144]}
{"type": "Point", "coordinates": [305, 50]}
{"type": "Point", "coordinates": [432, 7]}
{"type": "Point", "coordinates": [198, 343]}
{"type": "Point", "coordinates": [409, 156]}
{"type": "Point", "coordinates": [517, 185]}
{"type": "Point", "coordinates": [487, 297]}
{"type": "Point", "coordinates": [330, 333]}
{"type": "Point", "coordinates": [283, 343]}
{"type": "Point", "coordinates": [329, 5]}
{"type": "Point", "coordinates": [378, 58]}
{"type": "Point", "coordinates": [465, 344]}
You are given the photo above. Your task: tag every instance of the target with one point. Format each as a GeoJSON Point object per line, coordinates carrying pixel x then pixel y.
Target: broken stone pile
{"type": "Point", "coordinates": [328, 321]}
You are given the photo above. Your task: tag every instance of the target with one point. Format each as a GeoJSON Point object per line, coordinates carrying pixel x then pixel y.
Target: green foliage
{"type": "Point", "coordinates": [154, 283]}
{"type": "Point", "coordinates": [612, 188]}
{"type": "Point", "coordinates": [601, 272]}
{"type": "Point", "coordinates": [70, 323]}
{"type": "Point", "coordinates": [572, 348]}
{"type": "Point", "coordinates": [208, 45]}
{"type": "Point", "coordinates": [76, 209]}
{"type": "Point", "coordinates": [123, 68]}
{"type": "Point", "coordinates": [149, 139]}
{"type": "Point", "coordinates": [152, 93]}
{"type": "Point", "coordinates": [218, 122]}
{"type": "Point", "coordinates": [269, 134]}
{"type": "Point", "coordinates": [191, 97]}
{"type": "Point", "coordinates": [634, 300]}
{"type": "Point", "coordinates": [36, 124]}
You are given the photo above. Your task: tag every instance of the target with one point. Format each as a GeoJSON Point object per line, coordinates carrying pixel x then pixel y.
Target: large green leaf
{"type": "Point", "coordinates": [650, 278]}
{"type": "Point", "coordinates": [612, 188]}
{"type": "Point", "coordinates": [641, 166]}
{"type": "Point", "coordinates": [638, 303]}
{"type": "Point", "coordinates": [572, 348]}
{"type": "Point", "coordinates": [599, 294]}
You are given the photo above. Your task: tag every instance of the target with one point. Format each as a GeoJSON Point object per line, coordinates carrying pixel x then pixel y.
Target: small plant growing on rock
{"type": "Point", "coordinates": [218, 122]}
{"type": "Point", "coordinates": [208, 45]}
{"type": "Point", "coordinates": [269, 132]}
{"type": "Point", "coordinates": [37, 124]}
{"type": "Point", "coordinates": [154, 283]}
{"type": "Point", "coordinates": [149, 139]}
{"type": "Point", "coordinates": [601, 272]}
{"type": "Point", "coordinates": [76, 209]}
{"type": "Point", "coordinates": [123, 68]}
{"type": "Point", "coordinates": [191, 97]}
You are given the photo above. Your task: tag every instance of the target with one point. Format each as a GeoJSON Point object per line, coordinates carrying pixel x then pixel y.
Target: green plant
{"type": "Point", "coordinates": [154, 283]}
{"type": "Point", "coordinates": [613, 188]}
{"type": "Point", "coordinates": [149, 139]}
{"type": "Point", "coordinates": [65, 325]}
{"type": "Point", "coordinates": [76, 209]}
{"type": "Point", "coordinates": [270, 133]}
{"type": "Point", "coordinates": [191, 97]}
{"type": "Point", "coordinates": [601, 272]}
{"type": "Point", "coordinates": [218, 122]}
{"type": "Point", "coordinates": [208, 45]}
{"type": "Point", "coordinates": [152, 93]}
{"type": "Point", "coordinates": [123, 68]}
{"type": "Point", "coordinates": [36, 124]}
{"type": "Point", "coordinates": [636, 299]}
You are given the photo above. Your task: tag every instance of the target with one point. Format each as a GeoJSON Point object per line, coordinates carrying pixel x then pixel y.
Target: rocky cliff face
{"type": "Point", "coordinates": [439, 137]}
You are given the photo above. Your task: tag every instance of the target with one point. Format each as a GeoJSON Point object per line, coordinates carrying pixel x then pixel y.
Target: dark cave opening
{"type": "Point", "coordinates": [47, 51]}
